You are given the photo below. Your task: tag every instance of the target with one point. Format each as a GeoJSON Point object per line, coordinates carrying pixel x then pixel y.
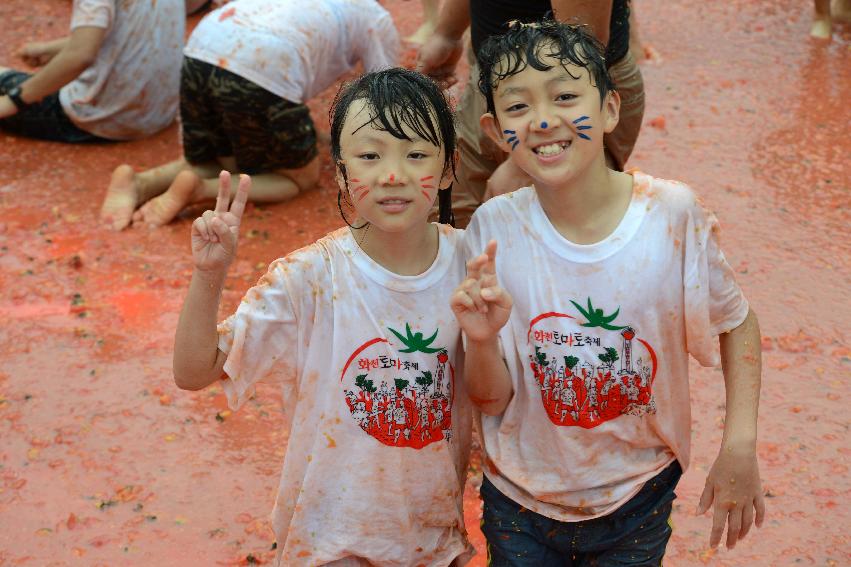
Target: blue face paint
{"type": "Point", "coordinates": [544, 125]}
{"type": "Point", "coordinates": [582, 127]}
{"type": "Point", "coordinates": [512, 139]}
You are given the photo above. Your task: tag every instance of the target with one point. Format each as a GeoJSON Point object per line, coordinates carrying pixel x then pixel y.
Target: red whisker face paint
{"type": "Point", "coordinates": [426, 178]}
{"type": "Point", "coordinates": [426, 195]}
{"type": "Point", "coordinates": [428, 186]}
{"type": "Point", "coordinates": [361, 188]}
{"type": "Point", "coordinates": [353, 180]}
{"type": "Point", "coordinates": [364, 194]}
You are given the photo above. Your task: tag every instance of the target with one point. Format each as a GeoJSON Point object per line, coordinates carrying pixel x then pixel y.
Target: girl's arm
{"type": "Point", "coordinates": [197, 360]}
{"type": "Point", "coordinates": [482, 309]}
{"type": "Point", "coordinates": [733, 484]}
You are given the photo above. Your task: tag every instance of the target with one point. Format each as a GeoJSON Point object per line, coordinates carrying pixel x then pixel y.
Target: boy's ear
{"type": "Point", "coordinates": [611, 111]}
{"type": "Point", "coordinates": [490, 126]}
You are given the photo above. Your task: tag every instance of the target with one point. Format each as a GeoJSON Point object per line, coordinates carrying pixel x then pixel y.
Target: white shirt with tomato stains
{"type": "Point", "coordinates": [369, 363]}
{"type": "Point", "coordinates": [298, 48]}
{"type": "Point", "coordinates": [598, 344]}
{"type": "Point", "coordinates": [132, 90]}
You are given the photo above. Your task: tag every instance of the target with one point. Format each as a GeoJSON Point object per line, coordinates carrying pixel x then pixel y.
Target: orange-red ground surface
{"type": "Point", "coordinates": [104, 462]}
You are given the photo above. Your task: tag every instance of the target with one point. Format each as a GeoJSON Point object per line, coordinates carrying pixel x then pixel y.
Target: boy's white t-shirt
{"type": "Point", "coordinates": [297, 48]}
{"type": "Point", "coordinates": [370, 367]}
{"type": "Point", "coordinates": [132, 90]}
{"type": "Point", "coordinates": [597, 345]}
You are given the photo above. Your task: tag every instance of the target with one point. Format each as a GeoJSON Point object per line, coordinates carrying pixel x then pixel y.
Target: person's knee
{"type": "Point", "coordinates": [306, 177]}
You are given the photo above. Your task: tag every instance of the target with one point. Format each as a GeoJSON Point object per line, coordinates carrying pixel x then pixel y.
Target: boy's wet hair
{"type": "Point", "coordinates": [397, 99]}
{"type": "Point", "coordinates": [503, 56]}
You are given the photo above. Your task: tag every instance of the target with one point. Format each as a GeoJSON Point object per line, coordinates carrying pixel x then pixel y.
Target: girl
{"type": "Point", "coordinates": [357, 328]}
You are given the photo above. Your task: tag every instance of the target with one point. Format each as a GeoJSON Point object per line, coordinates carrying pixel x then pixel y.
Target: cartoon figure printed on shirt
{"type": "Point", "coordinates": [401, 392]}
{"type": "Point", "coordinates": [587, 377]}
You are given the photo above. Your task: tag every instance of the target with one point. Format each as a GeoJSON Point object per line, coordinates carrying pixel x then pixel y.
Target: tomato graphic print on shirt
{"type": "Point", "coordinates": [588, 368]}
{"type": "Point", "coordinates": [400, 390]}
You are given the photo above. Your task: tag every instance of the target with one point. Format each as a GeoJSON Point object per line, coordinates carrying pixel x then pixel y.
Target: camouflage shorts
{"type": "Point", "coordinates": [223, 114]}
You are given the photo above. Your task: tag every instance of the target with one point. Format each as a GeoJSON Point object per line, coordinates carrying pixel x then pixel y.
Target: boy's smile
{"type": "Point", "coordinates": [552, 122]}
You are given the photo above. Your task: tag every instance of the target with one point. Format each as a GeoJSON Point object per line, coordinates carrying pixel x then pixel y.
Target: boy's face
{"type": "Point", "coordinates": [551, 122]}
{"type": "Point", "coordinates": [391, 182]}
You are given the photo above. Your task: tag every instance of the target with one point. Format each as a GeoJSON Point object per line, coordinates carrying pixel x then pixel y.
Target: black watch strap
{"type": "Point", "coordinates": [15, 94]}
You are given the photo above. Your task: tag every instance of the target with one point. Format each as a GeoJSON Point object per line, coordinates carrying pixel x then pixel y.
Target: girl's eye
{"type": "Point", "coordinates": [368, 156]}
{"type": "Point", "coordinates": [565, 97]}
{"type": "Point", "coordinates": [515, 107]}
{"type": "Point", "coordinates": [417, 155]}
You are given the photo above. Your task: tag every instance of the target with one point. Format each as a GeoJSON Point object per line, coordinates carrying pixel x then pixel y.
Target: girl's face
{"type": "Point", "coordinates": [391, 182]}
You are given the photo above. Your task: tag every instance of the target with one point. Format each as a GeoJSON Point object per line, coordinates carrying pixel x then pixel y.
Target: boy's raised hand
{"type": "Point", "coordinates": [215, 233]}
{"type": "Point", "coordinates": [481, 306]}
{"type": "Point", "coordinates": [734, 491]}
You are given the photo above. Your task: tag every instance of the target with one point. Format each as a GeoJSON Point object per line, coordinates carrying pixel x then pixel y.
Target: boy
{"type": "Point", "coordinates": [115, 77]}
{"type": "Point", "coordinates": [607, 282]}
{"type": "Point", "coordinates": [483, 170]}
{"type": "Point", "coordinates": [249, 68]}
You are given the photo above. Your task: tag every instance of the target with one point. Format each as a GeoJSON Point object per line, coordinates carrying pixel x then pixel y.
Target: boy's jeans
{"type": "Point", "coordinates": [634, 534]}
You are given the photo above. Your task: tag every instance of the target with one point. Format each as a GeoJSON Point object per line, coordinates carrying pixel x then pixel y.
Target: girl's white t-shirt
{"type": "Point", "coordinates": [597, 345]}
{"type": "Point", "coordinates": [370, 365]}
{"type": "Point", "coordinates": [296, 48]}
{"type": "Point", "coordinates": [132, 90]}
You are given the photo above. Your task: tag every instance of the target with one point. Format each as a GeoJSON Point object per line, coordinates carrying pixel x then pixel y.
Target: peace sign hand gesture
{"type": "Point", "coordinates": [480, 305]}
{"type": "Point", "coordinates": [215, 233]}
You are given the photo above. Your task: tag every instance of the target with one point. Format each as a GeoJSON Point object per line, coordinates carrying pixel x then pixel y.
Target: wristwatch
{"type": "Point", "coordinates": [15, 95]}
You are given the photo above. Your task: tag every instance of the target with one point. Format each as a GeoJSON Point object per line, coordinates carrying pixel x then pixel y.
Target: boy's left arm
{"type": "Point", "coordinates": [733, 486]}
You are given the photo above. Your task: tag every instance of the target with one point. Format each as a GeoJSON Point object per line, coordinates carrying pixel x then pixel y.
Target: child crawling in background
{"type": "Point", "coordinates": [578, 333]}
{"type": "Point", "coordinates": [249, 67]}
{"type": "Point", "coordinates": [357, 329]}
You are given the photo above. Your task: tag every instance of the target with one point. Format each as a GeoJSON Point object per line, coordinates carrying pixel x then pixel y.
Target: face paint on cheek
{"type": "Point", "coordinates": [544, 125]}
{"type": "Point", "coordinates": [364, 194]}
{"type": "Point", "coordinates": [581, 127]}
{"type": "Point", "coordinates": [426, 194]}
{"type": "Point", "coordinates": [512, 138]}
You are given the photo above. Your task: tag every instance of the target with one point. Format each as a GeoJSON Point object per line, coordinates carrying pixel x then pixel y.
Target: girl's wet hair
{"type": "Point", "coordinates": [397, 99]}
{"type": "Point", "coordinates": [504, 56]}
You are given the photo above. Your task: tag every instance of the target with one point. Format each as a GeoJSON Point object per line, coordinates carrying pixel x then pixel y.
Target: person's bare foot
{"type": "Point", "coordinates": [821, 27]}
{"type": "Point", "coordinates": [161, 210]}
{"type": "Point", "coordinates": [121, 198]}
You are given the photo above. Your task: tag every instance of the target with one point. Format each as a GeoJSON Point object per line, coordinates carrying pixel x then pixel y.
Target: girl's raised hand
{"type": "Point", "coordinates": [481, 306]}
{"type": "Point", "coordinates": [215, 233]}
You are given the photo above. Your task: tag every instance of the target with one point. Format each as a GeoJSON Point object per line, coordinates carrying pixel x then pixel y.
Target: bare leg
{"type": "Point", "coordinates": [821, 20]}
{"type": "Point", "coordinates": [191, 186]}
{"type": "Point", "coordinates": [430, 13]}
{"type": "Point", "coordinates": [840, 10]}
{"type": "Point", "coordinates": [635, 45]}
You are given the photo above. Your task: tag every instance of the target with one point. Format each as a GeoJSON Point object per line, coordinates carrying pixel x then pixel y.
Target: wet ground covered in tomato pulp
{"type": "Point", "coordinates": [104, 462]}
